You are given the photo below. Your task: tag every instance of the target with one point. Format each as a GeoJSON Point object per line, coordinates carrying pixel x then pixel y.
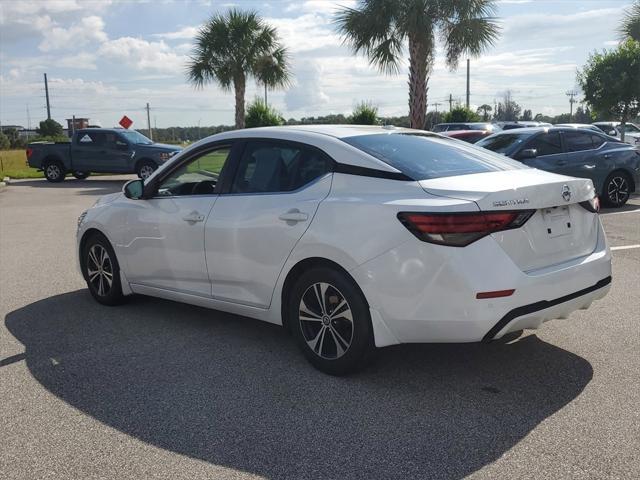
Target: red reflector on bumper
{"type": "Point", "coordinates": [495, 294]}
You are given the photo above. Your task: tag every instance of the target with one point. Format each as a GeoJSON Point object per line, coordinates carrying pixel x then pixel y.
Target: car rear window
{"type": "Point", "coordinates": [422, 157]}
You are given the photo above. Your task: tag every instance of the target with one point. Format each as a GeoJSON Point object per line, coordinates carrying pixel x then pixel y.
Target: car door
{"type": "Point", "coordinates": [252, 229]}
{"type": "Point", "coordinates": [86, 150]}
{"type": "Point", "coordinates": [549, 154]}
{"type": "Point", "coordinates": [164, 235]}
{"type": "Point", "coordinates": [582, 154]}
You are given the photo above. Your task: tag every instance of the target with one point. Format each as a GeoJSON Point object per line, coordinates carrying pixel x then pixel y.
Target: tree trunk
{"type": "Point", "coordinates": [419, 66]}
{"type": "Point", "coordinates": [239, 86]}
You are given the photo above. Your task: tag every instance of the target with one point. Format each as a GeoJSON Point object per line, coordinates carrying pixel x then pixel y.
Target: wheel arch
{"type": "Point", "coordinates": [297, 270]}
{"type": "Point", "coordinates": [626, 172]}
{"type": "Point", "coordinates": [52, 158]}
{"type": "Point", "coordinates": [83, 241]}
{"type": "Point", "coordinates": [142, 160]}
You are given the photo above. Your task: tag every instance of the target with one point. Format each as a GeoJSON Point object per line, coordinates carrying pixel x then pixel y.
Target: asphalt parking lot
{"type": "Point", "coordinates": [155, 389]}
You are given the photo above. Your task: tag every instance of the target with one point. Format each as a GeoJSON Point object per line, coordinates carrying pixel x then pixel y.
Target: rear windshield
{"type": "Point", "coordinates": [422, 157]}
{"type": "Point", "coordinates": [505, 143]}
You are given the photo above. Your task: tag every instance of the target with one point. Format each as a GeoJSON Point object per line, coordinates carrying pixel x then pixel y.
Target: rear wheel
{"type": "Point", "coordinates": [617, 188]}
{"type": "Point", "coordinates": [331, 321]}
{"type": "Point", "coordinates": [81, 175]}
{"type": "Point", "coordinates": [54, 171]}
{"type": "Point", "coordinates": [101, 270]}
{"type": "Point", "coordinates": [146, 169]}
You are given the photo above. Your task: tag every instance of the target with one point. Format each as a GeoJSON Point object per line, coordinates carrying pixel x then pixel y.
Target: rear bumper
{"type": "Point", "coordinates": [427, 293]}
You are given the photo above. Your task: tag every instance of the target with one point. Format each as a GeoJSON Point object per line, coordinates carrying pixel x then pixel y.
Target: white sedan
{"type": "Point", "coordinates": [352, 238]}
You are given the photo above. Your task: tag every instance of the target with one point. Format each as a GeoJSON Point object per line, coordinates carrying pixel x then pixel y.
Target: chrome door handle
{"type": "Point", "coordinates": [606, 155]}
{"type": "Point", "coordinates": [193, 217]}
{"type": "Point", "coordinates": [294, 215]}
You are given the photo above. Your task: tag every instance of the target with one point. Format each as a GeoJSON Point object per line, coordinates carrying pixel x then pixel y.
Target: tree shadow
{"type": "Point", "coordinates": [235, 392]}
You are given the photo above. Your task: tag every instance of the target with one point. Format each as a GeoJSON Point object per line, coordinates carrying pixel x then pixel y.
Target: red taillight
{"type": "Point", "coordinates": [461, 229]}
{"type": "Point", "coordinates": [592, 205]}
{"type": "Point", "coordinates": [29, 152]}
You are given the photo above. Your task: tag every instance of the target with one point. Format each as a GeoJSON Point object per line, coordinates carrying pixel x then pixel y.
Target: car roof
{"type": "Point", "coordinates": [336, 131]}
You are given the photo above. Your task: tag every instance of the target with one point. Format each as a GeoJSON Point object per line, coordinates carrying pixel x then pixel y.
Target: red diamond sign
{"type": "Point", "coordinates": [126, 122]}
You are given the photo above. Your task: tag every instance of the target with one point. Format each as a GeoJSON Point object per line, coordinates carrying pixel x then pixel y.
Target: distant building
{"type": "Point", "coordinates": [79, 124]}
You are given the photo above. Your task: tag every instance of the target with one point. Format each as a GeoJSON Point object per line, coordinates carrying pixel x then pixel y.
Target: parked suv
{"type": "Point", "coordinates": [612, 166]}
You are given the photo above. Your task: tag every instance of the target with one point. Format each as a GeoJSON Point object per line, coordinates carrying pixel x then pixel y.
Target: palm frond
{"type": "Point", "coordinates": [630, 25]}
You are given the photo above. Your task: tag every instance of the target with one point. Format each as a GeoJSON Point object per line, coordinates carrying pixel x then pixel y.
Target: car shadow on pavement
{"type": "Point", "coordinates": [235, 392]}
{"type": "Point", "coordinates": [92, 186]}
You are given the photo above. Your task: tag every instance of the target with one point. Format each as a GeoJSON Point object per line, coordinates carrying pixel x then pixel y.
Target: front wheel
{"type": "Point", "coordinates": [617, 189]}
{"type": "Point", "coordinates": [146, 169]}
{"type": "Point", "coordinates": [81, 175]}
{"type": "Point", "coordinates": [331, 321]}
{"type": "Point", "coordinates": [101, 270]}
{"type": "Point", "coordinates": [54, 171]}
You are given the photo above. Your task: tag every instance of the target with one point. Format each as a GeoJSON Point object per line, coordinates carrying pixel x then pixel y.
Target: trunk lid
{"type": "Point", "coordinates": [559, 230]}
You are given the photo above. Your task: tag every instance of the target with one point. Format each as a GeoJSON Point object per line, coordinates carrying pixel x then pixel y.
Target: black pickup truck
{"type": "Point", "coordinates": [99, 150]}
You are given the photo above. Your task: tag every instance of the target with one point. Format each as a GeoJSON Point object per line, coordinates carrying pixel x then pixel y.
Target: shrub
{"type": "Point", "coordinates": [4, 142]}
{"type": "Point", "coordinates": [364, 114]}
{"type": "Point", "coordinates": [259, 114]}
{"type": "Point", "coordinates": [461, 114]}
{"type": "Point", "coordinates": [49, 128]}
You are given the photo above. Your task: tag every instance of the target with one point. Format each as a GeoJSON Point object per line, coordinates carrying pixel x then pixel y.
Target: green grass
{"type": "Point", "coordinates": [13, 163]}
{"type": "Point", "coordinates": [211, 162]}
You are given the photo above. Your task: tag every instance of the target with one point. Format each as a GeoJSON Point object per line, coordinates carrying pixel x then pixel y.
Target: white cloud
{"type": "Point", "coordinates": [307, 91]}
{"type": "Point", "coordinates": [319, 6]}
{"type": "Point", "coordinates": [79, 61]}
{"type": "Point", "coordinates": [143, 55]}
{"type": "Point", "coordinates": [309, 31]}
{"type": "Point", "coordinates": [182, 34]}
{"type": "Point", "coordinates": [87, 30]}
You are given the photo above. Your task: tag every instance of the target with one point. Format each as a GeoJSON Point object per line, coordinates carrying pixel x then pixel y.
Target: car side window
{"type": "Point", "coordinates": [578, 141]}
{"type": "Point", "coordinates": [278, 167]}
{"type": "Point", "coordinates": [596, 140]}
{"type": "Point", "coordinates": [199, 176]}
{"type": "Point", "coordinates": [91, 139]}
{"type": "Point", "coordinates": [546, 144]}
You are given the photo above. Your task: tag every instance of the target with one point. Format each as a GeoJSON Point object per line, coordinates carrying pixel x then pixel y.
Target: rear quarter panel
{"type": "Point", "coordinates": [44, 151]}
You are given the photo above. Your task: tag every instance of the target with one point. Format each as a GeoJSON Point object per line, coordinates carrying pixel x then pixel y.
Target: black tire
{"type": "Point", "coordinates": [81, 175]}
{"type": "Point", "coordinates": [98, 283]}
{"type": "Point", "coordinates": [54, 171]}
{"type": "Point", "coordinates": [145, 169]}
{"type": "Point", "coordinates": [617, 189]}
{"type": "Point", "coordinates": [340, 355]}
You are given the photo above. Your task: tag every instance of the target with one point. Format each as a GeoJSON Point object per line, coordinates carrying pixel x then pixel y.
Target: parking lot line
{"type": "Point", "coordinates": [621, 213]}
{"type": "Point", "coordinates": [625, 247]}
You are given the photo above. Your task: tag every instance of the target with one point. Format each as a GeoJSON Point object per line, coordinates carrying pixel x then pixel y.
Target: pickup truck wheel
{"type": "Point", "coordinates": [54, 171]}
{"type": "Point", "coordinates": [81, 175]}
{"type": "Point", "coordinates": [146, 169]}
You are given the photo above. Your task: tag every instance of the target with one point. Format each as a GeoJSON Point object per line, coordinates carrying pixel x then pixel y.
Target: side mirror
{"type": "Point", "coordinates": [613, 133]}
{"type": "Point", "coordinates": [133, 189]}
{"type": "Point", "coordinates": [528, 153]}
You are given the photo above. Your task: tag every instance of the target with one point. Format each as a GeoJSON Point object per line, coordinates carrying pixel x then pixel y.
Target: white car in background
{"type": "Point", "coordinates": [614, 129]}
{"type": "Point", "coordinates": [352, 237]}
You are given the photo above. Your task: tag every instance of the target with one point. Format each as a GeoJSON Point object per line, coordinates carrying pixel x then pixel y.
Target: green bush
{"type": "Point", "coordinates": [5, 144]}
{"type": "Point", "coordinates": [461, 114]}
{"type": "Point", "coordinates": [49, 128]}
{"type": "Point", "coordinates": [260, 114]}
{"type": "Point", "coordinates": [364, 114]}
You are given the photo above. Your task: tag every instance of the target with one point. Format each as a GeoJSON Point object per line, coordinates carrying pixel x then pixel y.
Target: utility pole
{"type": "Point", "coordinates": [571, 94]}
{"type": "Point", "coordinates": [149, 123]}
{"type": "Point", "coordinates": [437, 104]}
{"type": "Point", "coordinates": [46, 91]}
{"type": "Point", "coordinates": [28, 123]}
{"type": "Point", "coordinates": [450, 102]}
{"type": "Point", "coordinates": [468, 68]}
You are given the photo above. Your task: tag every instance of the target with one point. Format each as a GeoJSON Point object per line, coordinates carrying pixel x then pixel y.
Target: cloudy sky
{"type": "Point", "coordinates": [109, 58]}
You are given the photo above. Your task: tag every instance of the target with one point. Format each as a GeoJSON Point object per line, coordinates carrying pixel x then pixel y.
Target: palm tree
{"type": "Point", "coordinates": [630, 26]}
{"type": "Point", "coordinates": [272, 70]}
{"type": "Point", "coordinates": [228, 49]}
{"type": "Point", "coordinates": [381, 29]}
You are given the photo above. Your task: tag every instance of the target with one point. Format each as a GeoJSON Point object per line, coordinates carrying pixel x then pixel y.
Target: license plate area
{"type": "Point", "coordinates": [557, 221]}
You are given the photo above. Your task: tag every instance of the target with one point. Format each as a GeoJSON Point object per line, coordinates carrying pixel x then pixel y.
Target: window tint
{"type": "Point", "coordinates": [91, 139]}
{"type": "Point", "coordinates": [628, 128]}
{"type": "Point", "coordinates": [596, 140]}
{"type": "Point", "coordinates": [547, 143]}
{"type": "Point", "coordinates": [505, 143]}
{"type": "Point", "coordinates": [278, 167]}
{"type": "Point", "coordinates": [578, 141]}
{"type": "Point", "coordinates": [422, 157]}
{"type": "Point", "coordinates": [197, 177]}
{"type": "Point", "coordinates": [440, 128]}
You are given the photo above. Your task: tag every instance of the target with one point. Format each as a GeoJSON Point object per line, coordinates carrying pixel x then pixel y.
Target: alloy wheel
{"type": "Point", "coordinates": [53, 171]}
{"type": "Point", "coordinates": [146, 171]}
{"type": "Point", "coordinates": [618, 190]}
{"type": "Point", "coordinates": [326, 321]}
{"type": "Point", "coordinates": [100, 270]}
